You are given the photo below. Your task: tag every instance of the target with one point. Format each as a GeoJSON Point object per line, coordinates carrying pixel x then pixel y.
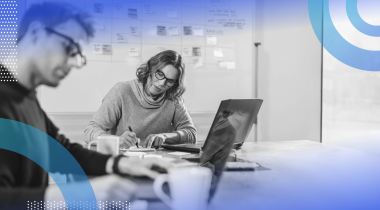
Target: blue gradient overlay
{"type": "Point", "coordinates": [329, 188]}
{"type": "Point", "coordinates": [358, 22]}
{"type": "Point", "coordinates": [25, 140]}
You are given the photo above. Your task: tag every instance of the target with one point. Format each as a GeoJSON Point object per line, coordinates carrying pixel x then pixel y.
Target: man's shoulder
{"type": "Point", "coordinates": [7, 100]}
{"type": "Point", "coordinates": [8, 92]}
{"type": "Point", "coordinates": [9, 96]}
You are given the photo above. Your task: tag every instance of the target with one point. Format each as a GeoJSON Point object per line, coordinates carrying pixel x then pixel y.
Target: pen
{"type": "Point", "coordinates": [130, 129]}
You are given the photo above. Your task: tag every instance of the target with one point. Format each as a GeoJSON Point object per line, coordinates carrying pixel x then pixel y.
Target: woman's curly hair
{"type": "Point", "coordinates": [159, 61]}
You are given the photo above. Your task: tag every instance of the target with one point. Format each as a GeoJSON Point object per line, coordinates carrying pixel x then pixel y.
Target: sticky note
{"type": "Point", "coordinates": [97, 49]}
{"type": "Point", "coordinates": [134, 30]}
{"type": "Point", "coordinates": [107, 49]}
{"type": "Point", "coordinates": [198, 31]}
{"type": "Point", "coordinates": [172, 14]}
{"type": "Point", "coordinates": [211, 40]}
{"type": "Point", "coordinates": [214, 32]}
{"type": "Point", "coordinates": [218, 53]}
{"type": "Point", "coordinates": [102, 49]}
{"type": "Point", "coordinates": [132, 13]}
{"type": "Point", "coordinates": [187, 30]}
{"type": "Point", "coordinates": [121, 37]}
{"type": "Point", "coordinates": [161, 30]}
{"type": "Point", "coordinates": [148, 9]}
{"type": "Point", "coordinates": [98, 8]}
{"type": "Point", "coordinates": [134, 52]}
{"type": "Point", "coordinates": [173, 31]}
{"type": "Point", "coordinates": [196, 51]}
{"type": "Point", "coordinates": [198, 62]}
{"type": "Point", "coordinates": [186, 51]}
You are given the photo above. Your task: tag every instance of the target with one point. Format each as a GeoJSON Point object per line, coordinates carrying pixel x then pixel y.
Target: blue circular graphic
{"type": "Point", "coordinates": [358, 22]}
{"type": "Point", "coordinates": [335, 44]}
{"type": "Point", "coordinates": [27, 140]}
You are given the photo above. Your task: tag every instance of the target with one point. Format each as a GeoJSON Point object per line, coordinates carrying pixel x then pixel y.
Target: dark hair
{"type": "Point", "coordinates": [159, 61]}
{"type": "Point", "coordinates": [52, 14]}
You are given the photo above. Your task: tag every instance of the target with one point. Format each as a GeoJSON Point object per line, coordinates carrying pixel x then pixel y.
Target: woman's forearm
{"type": "Point", "coordinates": [188, 135]}
{"type": "Point", "coordinates": [92, 132]}
{"type": "Point", "coordinates": [172, 138]}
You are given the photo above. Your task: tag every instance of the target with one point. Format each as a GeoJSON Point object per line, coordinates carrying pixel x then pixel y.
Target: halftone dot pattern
{"type": "Point", "coordinates": [8, 40]}
{"type": "Point", "coordinates": [81, 205]}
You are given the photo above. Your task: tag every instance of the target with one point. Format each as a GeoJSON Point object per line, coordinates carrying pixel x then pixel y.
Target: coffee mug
{"type": "Point", "coordinates": [107, 145]}
{"type": "Point", "coordinates": [189, 188]}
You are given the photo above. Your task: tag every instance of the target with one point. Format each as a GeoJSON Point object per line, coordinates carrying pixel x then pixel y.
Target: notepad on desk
{"type": "Point", "coordinates": [135, 149]}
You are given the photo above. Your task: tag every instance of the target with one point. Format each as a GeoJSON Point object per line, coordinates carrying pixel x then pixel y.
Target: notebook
{"type": "Point", "coordinates": [231, 126]}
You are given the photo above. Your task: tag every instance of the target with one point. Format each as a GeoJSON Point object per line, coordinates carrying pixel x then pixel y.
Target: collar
{"type": "Point", "coordinates": [15, 85]}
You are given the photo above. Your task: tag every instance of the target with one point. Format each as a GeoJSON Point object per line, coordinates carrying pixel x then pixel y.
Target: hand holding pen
{"type": "Point", "coordinates": [128, 139]}
{"type": "Point", "coordinates": [137, 142]}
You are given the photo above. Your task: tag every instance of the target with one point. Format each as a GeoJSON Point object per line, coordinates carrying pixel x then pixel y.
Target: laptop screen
{"type": "Point", "coordinates": [232, 123]}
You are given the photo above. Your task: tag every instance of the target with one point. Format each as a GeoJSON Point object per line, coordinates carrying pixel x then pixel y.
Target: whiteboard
{"type": "Point", "coordinates": [220, 31]}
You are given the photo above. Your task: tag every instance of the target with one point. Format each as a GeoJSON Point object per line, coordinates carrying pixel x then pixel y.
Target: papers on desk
{"type": "Point", "coordinates": [141, 149]}
{"type": "Point", "coordinates": [141, 155]}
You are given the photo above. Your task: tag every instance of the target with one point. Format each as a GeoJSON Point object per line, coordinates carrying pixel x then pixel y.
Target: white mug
{"type": "Point", "coordinates": [189, 188]}
{"type": "Point", "coordinates": [106, 145]}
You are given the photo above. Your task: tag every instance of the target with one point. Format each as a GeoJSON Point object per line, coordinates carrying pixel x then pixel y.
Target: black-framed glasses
{"type": "Point", "coordinates": [160, 75]}
{"type": "Point", "coordinates": [73, 49]}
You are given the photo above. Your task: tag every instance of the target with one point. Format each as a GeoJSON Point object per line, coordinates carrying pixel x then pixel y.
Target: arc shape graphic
{"type": "Point", "coordinates": [358, 22]}
{"type": "Point", "coordinates": [25, 140]}
{"type": "Point", "coordinates": [335, 44]}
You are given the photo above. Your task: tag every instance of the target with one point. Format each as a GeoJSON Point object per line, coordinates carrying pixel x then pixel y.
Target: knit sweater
{"type": "Point", "coordinates": [124, 106]}
{"type": "Point", "coordinates": [21, 179]}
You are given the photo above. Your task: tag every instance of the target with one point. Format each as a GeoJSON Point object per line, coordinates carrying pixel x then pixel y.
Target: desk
{"type": "Point", "coordinates": [304, 175]}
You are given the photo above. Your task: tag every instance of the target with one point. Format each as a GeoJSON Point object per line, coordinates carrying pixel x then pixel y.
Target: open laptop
{"type": "Point", "coordinates": [232, 123]}
{"type": "Point", "coordinates": [231, 126]}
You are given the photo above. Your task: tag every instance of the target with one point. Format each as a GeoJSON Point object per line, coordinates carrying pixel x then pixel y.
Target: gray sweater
{"type": "Point", "coordinates": [124, 106]}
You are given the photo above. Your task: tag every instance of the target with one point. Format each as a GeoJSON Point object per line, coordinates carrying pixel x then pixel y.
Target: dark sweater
{"type": "Point", "coordinates": [20, 178]}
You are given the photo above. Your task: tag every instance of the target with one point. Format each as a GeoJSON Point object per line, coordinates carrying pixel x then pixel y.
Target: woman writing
{"type": "Point", "coordinates": [151, 105]}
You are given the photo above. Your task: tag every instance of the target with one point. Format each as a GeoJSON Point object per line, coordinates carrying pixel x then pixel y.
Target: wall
{"type": "Point", "coordinates": [289, 76]}
{"type": "Point", "coordinates": [289, 63]}
{"type": "Point", "coordinates": [210, 77]}
{"type": "Point", "coordinates": [72, 104]}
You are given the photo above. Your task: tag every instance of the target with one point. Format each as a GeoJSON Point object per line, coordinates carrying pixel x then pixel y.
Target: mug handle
{"type": "Point", "coordinates": [157, 188]}
{"type": "Point", "coordinates": [90, 144]}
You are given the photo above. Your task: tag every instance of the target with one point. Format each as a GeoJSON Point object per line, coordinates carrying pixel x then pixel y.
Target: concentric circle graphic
{"type": "Point", "coordinates": [336, 44]}
{"type": "Point", "coordinates": [358, 22]}
{"type": "Point", "coordinates": [39, 147]}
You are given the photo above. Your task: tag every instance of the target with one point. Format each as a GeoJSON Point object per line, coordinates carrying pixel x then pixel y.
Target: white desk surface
{"type": "Point", "coordinates": [303, 175]}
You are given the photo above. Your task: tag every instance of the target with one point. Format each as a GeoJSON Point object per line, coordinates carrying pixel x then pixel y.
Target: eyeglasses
{"type": "Point", "coordinates": [73, 49]}
{"type": "Point", "coordinates": [160, 75]}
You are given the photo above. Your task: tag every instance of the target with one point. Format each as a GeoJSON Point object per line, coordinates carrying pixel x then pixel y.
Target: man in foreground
{"type": "Point", "coordinates": [48, 47]}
